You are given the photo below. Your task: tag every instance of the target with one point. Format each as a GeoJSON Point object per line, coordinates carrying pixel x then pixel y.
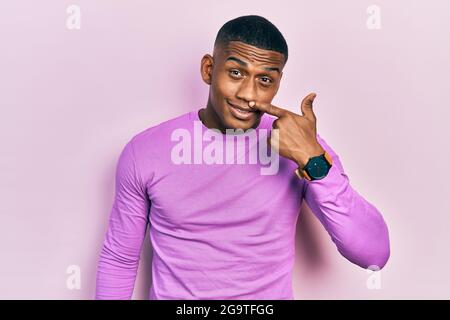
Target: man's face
{"type": "Point", "coordinates": [239, 73]}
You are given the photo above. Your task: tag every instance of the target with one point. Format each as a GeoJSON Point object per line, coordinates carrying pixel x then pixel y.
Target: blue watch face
{"type": "Point", "coordinates": [317, 167]}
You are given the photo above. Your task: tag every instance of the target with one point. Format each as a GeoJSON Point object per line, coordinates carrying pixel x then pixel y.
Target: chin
{"type": "Point", "coordinates": [233, 123]}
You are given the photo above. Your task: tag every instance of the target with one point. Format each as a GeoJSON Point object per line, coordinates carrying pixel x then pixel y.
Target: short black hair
{"type": "Point", "coordinates": [253, 30]}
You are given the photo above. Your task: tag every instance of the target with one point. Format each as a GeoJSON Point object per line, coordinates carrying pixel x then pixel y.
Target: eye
{"type": "Point", "coordinates": [266, 80]}
{"type": "Point", "coordinates": [233, 73]}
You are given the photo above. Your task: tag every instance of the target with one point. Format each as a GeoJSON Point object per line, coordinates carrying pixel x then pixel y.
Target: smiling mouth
{"type": "Point", "coordinates": [240, 113]}
{"type": "Point", "coordinates": [244, 110]}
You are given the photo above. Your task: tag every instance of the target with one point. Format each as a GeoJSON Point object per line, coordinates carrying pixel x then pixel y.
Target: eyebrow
{"type": "Point", "coordinates": [243, 63]}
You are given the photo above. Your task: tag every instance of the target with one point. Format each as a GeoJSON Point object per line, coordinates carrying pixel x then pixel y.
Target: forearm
{"type": "Point", "coordinates": [118, 264]}
{"type": "Point", "coordinates": [115, 278]}
{"type": "Point", "coordinates": [354, 224]}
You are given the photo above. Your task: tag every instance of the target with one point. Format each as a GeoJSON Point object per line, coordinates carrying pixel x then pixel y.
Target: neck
{"type": "Point", "coordinates": [210, 119]}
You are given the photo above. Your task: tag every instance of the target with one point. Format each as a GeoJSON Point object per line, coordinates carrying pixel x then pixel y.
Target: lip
{"type": "Point", "coordinates": [241, 113]}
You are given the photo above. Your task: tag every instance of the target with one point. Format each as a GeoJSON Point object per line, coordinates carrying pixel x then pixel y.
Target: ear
{"type": "Point", "coordinates": [206, 68]}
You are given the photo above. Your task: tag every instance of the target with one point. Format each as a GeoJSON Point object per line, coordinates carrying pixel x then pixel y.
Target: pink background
{"type": "Point", "coordinates": [71, 99]}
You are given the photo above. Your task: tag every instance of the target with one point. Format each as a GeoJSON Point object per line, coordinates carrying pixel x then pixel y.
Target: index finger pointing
{"type": "Point", "coordinates": [268, 108]}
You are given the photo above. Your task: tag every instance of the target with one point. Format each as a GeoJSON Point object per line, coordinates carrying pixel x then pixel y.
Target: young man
{"type": "Point", "coordinates": [222, 226]}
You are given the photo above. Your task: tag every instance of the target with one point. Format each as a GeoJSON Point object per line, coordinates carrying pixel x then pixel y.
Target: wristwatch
{"type": "Point", "coordinates": [316, 168]}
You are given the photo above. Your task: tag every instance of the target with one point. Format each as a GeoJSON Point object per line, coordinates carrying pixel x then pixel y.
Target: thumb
{"type": "Point", "coordinates": [307, 105]}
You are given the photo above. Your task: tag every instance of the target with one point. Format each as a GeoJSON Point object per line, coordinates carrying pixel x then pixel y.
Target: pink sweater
{"type": "Point", "coordinates": [223, 231]}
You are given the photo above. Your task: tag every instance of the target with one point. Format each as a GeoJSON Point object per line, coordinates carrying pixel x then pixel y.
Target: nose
{"type": "Point", "coordinates": [247, 90]}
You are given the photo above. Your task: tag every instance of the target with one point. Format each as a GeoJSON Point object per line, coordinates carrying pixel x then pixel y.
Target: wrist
{"type": "Point", "coordinates": [316, 168]}
{"type": "Point", "coordinates": [302, 159]}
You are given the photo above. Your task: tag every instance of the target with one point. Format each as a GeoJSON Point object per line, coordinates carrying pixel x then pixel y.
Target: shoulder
{"type": "Point", "coordinates": [150, 144]}
{"type": "Point", "coordinates": [153, 140]}
{"type": "Point", "coordinates": [148, 148]}
{"type": "Point", "coordinates": [161, 130]}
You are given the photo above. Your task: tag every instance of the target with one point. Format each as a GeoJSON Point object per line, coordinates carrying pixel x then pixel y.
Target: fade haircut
{"type": "Point", "coordinates": [253, 30]}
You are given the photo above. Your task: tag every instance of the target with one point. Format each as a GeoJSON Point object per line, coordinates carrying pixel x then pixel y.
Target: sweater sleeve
{"type": "Point", "coordinates": [119, 256]}
{"type": "Point", "coordinates": [356, 227]}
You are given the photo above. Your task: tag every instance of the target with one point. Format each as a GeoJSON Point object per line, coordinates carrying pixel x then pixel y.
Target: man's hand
{"type": "Point", "coordinates": [296, 133]}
